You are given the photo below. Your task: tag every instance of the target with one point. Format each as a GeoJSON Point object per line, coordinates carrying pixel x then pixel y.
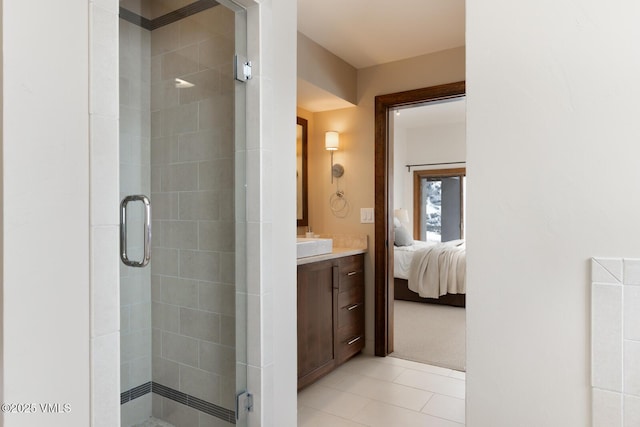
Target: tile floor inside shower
{"type": "Point", "coordinates": [154, 422]}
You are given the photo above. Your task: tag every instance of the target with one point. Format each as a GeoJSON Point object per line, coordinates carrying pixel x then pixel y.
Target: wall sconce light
{"type": "Point", "coordinates": [331, 143]}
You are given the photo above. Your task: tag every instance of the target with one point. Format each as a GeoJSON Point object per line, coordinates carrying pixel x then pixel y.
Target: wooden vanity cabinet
{"type": "Point", "coordinates": [330, 315]}
{"type": "Point", "coordinates": [317, 298]}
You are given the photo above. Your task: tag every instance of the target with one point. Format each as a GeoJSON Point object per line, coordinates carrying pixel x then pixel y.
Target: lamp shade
{"type": "Point", "coordinates": [331, 140]}
{"type": "Point", "coordinates": [402, 215]}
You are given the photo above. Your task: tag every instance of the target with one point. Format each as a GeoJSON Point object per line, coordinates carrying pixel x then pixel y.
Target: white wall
{"type": "Point", "coordinates": [283, 198]}
{"type": "Point", "coordinates": [433, 144]}
{"type": "Point", "coordinates": [271, 216]}
{"type": "Point", "coordinates": [552, 164]}
{"type": "Point", "coordinates": [46, 247]}
{"type": "Point", "coordinates": [104, 199]}
{"type": "Point", "coordinates": [400, 176]}
{"type": "Point", "coordinates": [323, 69]}
{"type": "Point", "coordinates": [1, 214]}
{"type": "Point", "coordinates": [436, 144]}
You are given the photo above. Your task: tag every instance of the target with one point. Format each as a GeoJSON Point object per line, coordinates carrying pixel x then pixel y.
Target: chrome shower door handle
{"type": "Point", "coordinates": [147, 230]}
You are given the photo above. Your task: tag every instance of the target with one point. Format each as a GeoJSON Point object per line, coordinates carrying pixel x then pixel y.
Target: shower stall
{"type": "Point", "coordinates": [182, 176]}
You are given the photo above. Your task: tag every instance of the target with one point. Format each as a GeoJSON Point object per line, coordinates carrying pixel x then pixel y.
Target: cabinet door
{"type": "Point", "coordinates": [317, 302]}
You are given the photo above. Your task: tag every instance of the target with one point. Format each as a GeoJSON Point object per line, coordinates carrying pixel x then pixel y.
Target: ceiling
{"type": "Point", "coordinates": [431, 114]}
{"type": "Point", "coordinates": [364, 33]}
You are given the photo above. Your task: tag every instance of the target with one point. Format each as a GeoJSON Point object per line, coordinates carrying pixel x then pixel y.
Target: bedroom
{"type": "Point", "coordinates": [429, 152]}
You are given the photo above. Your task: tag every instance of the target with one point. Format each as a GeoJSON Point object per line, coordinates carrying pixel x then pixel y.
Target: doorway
{"type": "Point", "coordinates": [429, 177]}
{"type": "Point", "coordinates": [384, 223]}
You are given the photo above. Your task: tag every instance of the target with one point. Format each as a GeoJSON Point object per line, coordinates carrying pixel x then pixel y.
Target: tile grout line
{"type": "Point", "coordinates": [427, 402]}
{"type": "Point", "coordinates": [618, 281]}
{"type": "Point", "coordinates": [623, 344]}
{"type": "Point", "coordinates": [386, 402]}
{"type": "Point", "coordinates": [389, 403]}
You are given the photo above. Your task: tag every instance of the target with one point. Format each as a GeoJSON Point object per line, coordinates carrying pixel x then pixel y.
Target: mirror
{"type": "Point", "coordinates": [301, 172]}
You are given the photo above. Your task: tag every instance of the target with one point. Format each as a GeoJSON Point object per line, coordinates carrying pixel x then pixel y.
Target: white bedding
{"type": "Point", "coordinates": [431, 268]}
{"type": "Point", "coordinates": [402, 256]}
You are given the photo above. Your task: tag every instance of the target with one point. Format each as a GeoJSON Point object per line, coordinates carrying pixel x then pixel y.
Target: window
{"type": "Point", "coordinates": [438, 207]}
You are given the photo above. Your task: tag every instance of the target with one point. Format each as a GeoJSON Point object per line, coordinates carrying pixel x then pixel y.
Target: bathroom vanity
{"type": "Point", "coordinates": [330, 312]}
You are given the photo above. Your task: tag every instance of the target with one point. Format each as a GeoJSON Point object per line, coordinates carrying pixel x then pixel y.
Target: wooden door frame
{"type": "Point", "coordinates": [383, 198]}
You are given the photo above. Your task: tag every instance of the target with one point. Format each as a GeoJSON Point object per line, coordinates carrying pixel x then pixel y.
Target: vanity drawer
{"type": "Point", "coordinates": [350, 346]}
{"type": "Point", "coordinates": [352, 329]}
{"type": "Point", "coordinates": [350, 307]}
{"type": "Point", "coordinates": [350, 341]}
{"type": "Point", "coordinates": [351, 272]}
{"type": "Point", "coordinates": [351, 296]}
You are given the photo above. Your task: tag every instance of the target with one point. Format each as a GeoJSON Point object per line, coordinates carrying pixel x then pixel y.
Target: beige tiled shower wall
{"type": "Point", "coordinates": [135, 283]}
{"type": "Point", "coordinates": [192, 193]}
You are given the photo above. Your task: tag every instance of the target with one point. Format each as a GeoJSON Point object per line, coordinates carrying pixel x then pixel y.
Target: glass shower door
{"type": "Point", "coordinates": [182, 127]}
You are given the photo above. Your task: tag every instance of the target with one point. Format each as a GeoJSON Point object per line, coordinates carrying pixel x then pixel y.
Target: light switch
{"type": "Point", "coordinates": [366, 216]}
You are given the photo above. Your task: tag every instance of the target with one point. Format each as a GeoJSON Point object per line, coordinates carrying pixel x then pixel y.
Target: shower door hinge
{"type": "Point", "coordinates": [244, 404]}
{"type": "Point", "coordinates": [242, 69]}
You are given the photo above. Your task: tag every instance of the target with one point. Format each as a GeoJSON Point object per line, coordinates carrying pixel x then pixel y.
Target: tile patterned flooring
{"type": "Point", "coordinates": [384, 392]}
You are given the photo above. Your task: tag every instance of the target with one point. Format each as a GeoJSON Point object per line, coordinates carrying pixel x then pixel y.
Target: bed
{"type": "Point", "coordinates": [430, 272]}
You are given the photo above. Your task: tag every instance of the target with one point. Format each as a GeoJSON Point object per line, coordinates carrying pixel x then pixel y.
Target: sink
{"type": "Point", "coordinates": [313, 246]}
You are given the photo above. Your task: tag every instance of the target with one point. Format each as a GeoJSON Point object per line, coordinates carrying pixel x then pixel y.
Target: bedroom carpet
{"type": "Point", "coordinates": [428, 333]}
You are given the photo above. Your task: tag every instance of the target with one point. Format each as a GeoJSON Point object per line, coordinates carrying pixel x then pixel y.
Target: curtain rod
{"type": "Point", "coordinates": [433, 164]}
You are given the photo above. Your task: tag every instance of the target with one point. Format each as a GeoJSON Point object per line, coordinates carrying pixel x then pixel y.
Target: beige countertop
{"type": "Point", "coordinates": [336, 253]}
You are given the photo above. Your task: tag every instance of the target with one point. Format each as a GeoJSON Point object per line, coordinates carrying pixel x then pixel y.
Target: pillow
{"type": "Point", "coordinates": [396, 222]}
{"type": "Point", "coordinates": [402, 237]}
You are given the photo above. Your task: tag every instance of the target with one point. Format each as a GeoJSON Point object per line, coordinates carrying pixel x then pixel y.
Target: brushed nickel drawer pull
{"type": "Point", "coordinates": [351, 273]}
{"type": "Point", "coordinates": [353, 306]}
{"type": "Point", "coordinates": [353, 340]}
